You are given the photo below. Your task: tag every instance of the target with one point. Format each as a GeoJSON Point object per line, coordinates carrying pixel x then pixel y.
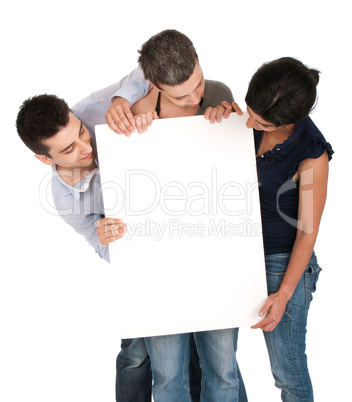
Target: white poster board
{"type": "Point", "coordinates": [192, 259]}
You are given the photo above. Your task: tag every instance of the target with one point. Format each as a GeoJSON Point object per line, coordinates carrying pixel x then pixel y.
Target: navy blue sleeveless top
{"type": "Point", "coordinates": [278, 192]}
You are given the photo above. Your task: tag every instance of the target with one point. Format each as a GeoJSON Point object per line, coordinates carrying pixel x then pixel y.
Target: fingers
{"type": "Point", "coordinates": [222, 111]}
{"type": "Point", "coordinates": [129, 117]}
{"type": "Point", "coordinates": [236, 108]}
{"type": "Point", "coordinates": [228, 109]}
{"type": "Point", "coordinates": [145, 120]}
{"type": "Point", "coordinates": [141, 123]}
{"type": "Point", "coordinates": [110, 229]}
{"type": "Point", "coordinates": [266, 321]}
{"type": "Point", "coordinates": [263, 311]}
{"type": "Point", "coordinates": [111, 122]}
{"type": "Point", "coordinates": [120, 118]}
{"type": "Point", "coordinates": [214, 114]}
{"type": "Point", "coordinates": [273, 311]}
{"type": "Point", "coordinates": [125, 119]}
{"type": "Point", "coordinates": [266, 308]}
{"type": "Point", "coordinates": [108, 221]}
{"type": "Point", "coordinates": [207, 112]}
{"type": "Point", "coordinates": [267, 325]}
{"type": "Point", "coordinates": [119, 121]}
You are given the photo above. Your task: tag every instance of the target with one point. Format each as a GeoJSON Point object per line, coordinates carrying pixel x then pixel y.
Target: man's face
{"type": "Point", "coordinates": [187, 94]}
{"type": "Point", "coordinates": [70, 147]}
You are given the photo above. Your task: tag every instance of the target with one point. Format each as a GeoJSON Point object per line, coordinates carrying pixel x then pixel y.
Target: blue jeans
{"type": "Point", "coordinates": [170, 356]}
{"type": "Point", "coordinates": [133, 373]}
{"type": "Point", "coordinates": [134, 376]}
{"type": "Point", "coordinates": [287, 342]}
{"type": "Point", "coordinates": [195, 376]}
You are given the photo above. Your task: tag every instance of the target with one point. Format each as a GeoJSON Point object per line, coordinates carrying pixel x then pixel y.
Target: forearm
{"type": "Point", "coordinates": [132, 87]}
{"type": "Point", "coordinates": [313, 187]}
{"type": "Point", "coordinates": [300, 256]}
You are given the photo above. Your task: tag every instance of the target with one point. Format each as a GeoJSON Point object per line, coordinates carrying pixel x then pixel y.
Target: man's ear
{"type": "Point", "coordinates": [45, 159]}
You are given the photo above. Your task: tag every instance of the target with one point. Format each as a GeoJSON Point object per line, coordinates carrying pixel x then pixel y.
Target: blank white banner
{"type": "Point", "coordinates": [192, 258]}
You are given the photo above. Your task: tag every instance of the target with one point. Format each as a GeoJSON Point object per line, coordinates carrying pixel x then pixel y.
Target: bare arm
{"type": "Point", "coordinates": [313, 175]}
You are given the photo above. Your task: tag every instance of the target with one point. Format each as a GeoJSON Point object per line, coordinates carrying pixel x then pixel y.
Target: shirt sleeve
{"type": "Point", "coordinates": [133, 87]}
{"type": "Point", "coordinates": [215, 93]}
{"type": "Point", "coordinates": [86, 226]}
{"type": "Point", "coordinates": [81, 215]}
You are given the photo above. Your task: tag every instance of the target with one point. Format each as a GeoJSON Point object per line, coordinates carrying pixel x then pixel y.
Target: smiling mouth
{"type": "Point", "coordinates": [87, 157]}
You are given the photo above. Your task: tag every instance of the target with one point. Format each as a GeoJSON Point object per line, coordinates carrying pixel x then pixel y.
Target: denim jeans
{"type": "Point", "coordinates": [134, 376]}
{"type": "Point", "coordinates": [287, 342]}
{"type": "Point", "coordinates": [195, 376]}
{"type": "Point", "coordinates": [133, 372]}
{"type": "Point", "coordinates": [170, 356]}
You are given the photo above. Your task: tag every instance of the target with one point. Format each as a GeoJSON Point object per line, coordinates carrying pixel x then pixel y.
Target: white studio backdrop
{"type": "Point", "coordinates": [58, 328]}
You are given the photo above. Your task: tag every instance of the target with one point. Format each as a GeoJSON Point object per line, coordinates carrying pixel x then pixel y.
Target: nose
{"type": "Point", "coordinates": [86, 147]}
{"type": "Point", "coordinates": [195, 98]}
{"type": "Point", "coordinates": [250, 122]}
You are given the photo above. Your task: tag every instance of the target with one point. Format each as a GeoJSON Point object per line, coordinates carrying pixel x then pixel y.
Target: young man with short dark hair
{"type": "Point", "coordinates": [171, 63]}
{"type": "Point", "coordinates": [64, 139]}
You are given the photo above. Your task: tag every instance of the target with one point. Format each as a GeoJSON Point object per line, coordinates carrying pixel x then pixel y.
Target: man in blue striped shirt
{"type": "Point", "coordinates": [65, 140]}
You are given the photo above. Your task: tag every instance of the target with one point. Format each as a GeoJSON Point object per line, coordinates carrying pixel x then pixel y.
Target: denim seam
{"type": "Point", "coordinates": [186, 372]}
{"type": "Point", "coordinates": [307, 285]}
{"type": "Point", "coordinates": [201, 362]}
{"type": "Point", "coordinates": [308, 279]}
{"type": "Point", "coordinates": [295, 368]}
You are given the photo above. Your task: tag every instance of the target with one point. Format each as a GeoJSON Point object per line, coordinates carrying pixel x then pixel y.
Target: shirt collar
{"type": "Point", "coordinates": [80, 187]}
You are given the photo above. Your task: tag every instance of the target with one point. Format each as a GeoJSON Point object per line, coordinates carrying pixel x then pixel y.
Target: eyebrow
{"type": "Point", "coordinates": [182, 96]}
{"type": "Point", "coordinates": [69, 146]}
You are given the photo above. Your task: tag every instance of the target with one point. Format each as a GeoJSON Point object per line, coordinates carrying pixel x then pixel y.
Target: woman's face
{"type": "Point", "coordinates": [255, 121]}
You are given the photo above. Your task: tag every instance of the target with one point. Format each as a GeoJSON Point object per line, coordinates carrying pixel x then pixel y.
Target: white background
{"type": "Point", "coordinates": [58, 330]}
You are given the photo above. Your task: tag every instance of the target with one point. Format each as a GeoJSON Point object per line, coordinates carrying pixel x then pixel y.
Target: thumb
{"type": "Point", "coordinates": [264, 310]}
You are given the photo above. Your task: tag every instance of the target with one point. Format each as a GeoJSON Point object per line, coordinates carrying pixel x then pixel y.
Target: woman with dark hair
{"type": "Point", "coordinates": [292, 164]}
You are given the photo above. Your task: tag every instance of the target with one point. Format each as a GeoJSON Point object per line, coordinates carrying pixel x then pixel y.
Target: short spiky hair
{"type": "Point", "coordinates": [40, 118]}
{"type": "Point", "coordinates": [168, 58]}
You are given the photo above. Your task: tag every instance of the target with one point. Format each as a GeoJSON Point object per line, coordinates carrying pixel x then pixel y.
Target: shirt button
{"type": "Point", "coordinates": [262, 156]}
{"type": "Point", "coordinates": [278, 149]}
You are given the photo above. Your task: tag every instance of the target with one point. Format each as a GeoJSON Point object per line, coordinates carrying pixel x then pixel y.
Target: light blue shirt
{"type": "Point", "coordinates": [82, 206]}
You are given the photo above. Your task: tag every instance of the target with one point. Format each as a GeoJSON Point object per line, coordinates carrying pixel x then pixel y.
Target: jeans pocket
{"type": "Point", "coordinates": [311, 277]}
{"type": "Point", "coordinates": [275, 266]}
{"type": "Point", "coordinates": [274, 280]}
